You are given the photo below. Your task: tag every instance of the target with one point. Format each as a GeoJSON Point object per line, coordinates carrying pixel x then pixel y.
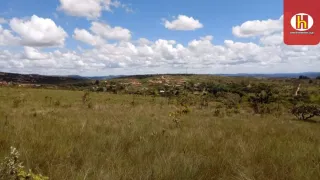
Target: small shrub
{"type": "Point", "coordinates": [262, 98]}
{"type": "Point", "coordinates": [17, 102]}
{"type": "Point", "coordinates": [231, 100]}
{"type": "Point", "coordinates": [12, 169]}
{"type": "Point", "coordinates": [204, 102]}
{"type": "Point", "coordinates": [90, 105]}
{"type": "Point", "coordinates": [133, 102]}
{"type": "Point", "coordinates": [85, 97]}
{"type": "Point", "coordinates": [57, 103]}
{"type": "Point", "coordinates": [178, 113]}
{"type": "Point", "coordinates": [186, 100]}
{"type": "Point", "coordinates": [305, 112]}
{"type": "Point", "coordinates": [217, 112]}
{"type": "Point", "coordinates": [48, 99]}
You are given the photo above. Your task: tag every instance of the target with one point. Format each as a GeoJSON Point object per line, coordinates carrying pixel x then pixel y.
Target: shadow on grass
{"type": "Point", "coordinates": [308, 121]}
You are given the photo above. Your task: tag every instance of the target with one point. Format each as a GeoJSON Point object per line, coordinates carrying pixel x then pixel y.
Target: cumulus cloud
{"type": "Point", "coordinates": [37, 31]}
{"type": "Point", "coordinates": [7, 38]}
{"type": "Point", "coordinates": [258, 27]}
{"type": "Point", "coordinates": [183, 23]}
{"type": "Point", "coordinates": [34, 54]}
{"type": "Point", "coordinates": [273, 39]}
{"type": "Point", "coordinates": [200, 55]}
{"type": "Point", "coordinates": [112, 33]}
{"type": "Point", "coordinates": [101, 32]}
{"type": "Point", "coordinates": [86, 37]}
{"type": "Point", "coordinates": [89, 8]}
{"type": "Point", "coordinates": [163, 56]}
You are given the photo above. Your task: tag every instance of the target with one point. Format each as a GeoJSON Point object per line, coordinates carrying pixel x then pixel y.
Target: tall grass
{"type": "Point", "coordinates": [115, 140]}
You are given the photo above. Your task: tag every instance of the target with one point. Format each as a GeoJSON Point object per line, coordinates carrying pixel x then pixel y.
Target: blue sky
{"type": "Point", "coordinates": [217, 16]}
{"type": "Point", "coordinates": [222, 36]}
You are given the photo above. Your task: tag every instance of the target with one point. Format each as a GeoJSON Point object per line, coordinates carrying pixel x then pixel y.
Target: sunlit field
{"type": "Point", "coordinates": [105, 136]}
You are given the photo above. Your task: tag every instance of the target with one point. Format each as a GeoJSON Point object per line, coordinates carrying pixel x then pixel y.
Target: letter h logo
{"type": "Point", "coordinates": [302, 21]}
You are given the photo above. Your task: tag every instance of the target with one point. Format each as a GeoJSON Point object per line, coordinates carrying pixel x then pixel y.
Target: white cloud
{"type": "Point", "coordinates": [112, 33]}
{"type": "Point", "coordinates": [34, 54]}
{"type": "Point", "coordinates": [169, 56]}
{"type": "Point", "coordinates": [3, 21]}
{"type": "Point", "coordinates": [143, 41]}
{"type": "Point", "coordinates": [6, 37]}
{"type": "Point", "coordinates": [183, 23]}
{"type": "Point", "coordinates": [199, 55]}
{"type": "Point", "coordinates": [38, 32]}
{"type": "Point", "coordinates": [86, 8]}
{"type": "Point", "coordinates": [86, 37]}
{"type": "Point", "coordinates": [89, 8]}
{"type": "Point", "coordinates": [273, 39]}
{"type": "Point", "coordinates": [258, 27]}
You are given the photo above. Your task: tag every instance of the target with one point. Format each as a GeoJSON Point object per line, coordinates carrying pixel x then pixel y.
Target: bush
{"type": "Point", "coordinates": [303, 77]}
{"type": "Point", "coordinates": [263, 96]}
{"type": "Point", "coordinates": [305, 112]}
{"type": "Point", "coordinates": [204, 101]}
{"type": "Point", "coordinates": [57, 103]}
{"type": "Point", "coordinates": [12, 169]}
{"type": "Point", "coordinates": [85, 97]}
{"type": "Point", "coordinates": [186, 100]}
{"type": "Point", "coordinates": [16, 102]}
{"type": "Point", "coordinates": [303, 97]}
{"type": "Point", "coordinates": [231, 100]}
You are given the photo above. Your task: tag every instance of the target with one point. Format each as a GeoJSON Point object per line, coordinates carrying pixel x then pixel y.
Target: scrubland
{"type": "Point", "coordinates": [67, 135]}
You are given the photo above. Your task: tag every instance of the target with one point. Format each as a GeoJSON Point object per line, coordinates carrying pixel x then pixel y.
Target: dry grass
{"type": "Point", "coordinates": [114, 138]}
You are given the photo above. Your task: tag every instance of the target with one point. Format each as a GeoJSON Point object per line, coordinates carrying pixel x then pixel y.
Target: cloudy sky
{"type": "Point", "coordinates": [107, 37]}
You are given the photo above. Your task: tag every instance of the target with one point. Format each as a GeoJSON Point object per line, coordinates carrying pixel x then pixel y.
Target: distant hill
{"type": "Point", "coordinates": [38, 79]}
{"type": "Point", "coordinates": [101, 77]}
{"type": "Point", "coordinates": [45, 79]}
{"type": "Point", "coordinates": [276, 75]}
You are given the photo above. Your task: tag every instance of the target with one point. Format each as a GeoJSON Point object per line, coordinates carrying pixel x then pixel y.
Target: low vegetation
{"type": "Point", "coordinates": [218, 128]}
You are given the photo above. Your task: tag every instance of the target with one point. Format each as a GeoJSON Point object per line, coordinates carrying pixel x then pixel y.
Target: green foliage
{"type": "Point", "coordinates": [12, 169]}
{"type": "Point", "coordinates": [303, 97]}
{"type": "Point", "coordinates": [215, 88]}
{"type": "Point", "coordinates": [262, 98]}
{"type": "Point", "coordinates": [230, 100]}
{"type": "Point", "coordinates": [186, 99]}
{"type": "Point", "coordinates": [305, 111]}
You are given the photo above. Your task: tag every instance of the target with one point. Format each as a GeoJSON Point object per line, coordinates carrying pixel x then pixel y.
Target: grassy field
{"type": "Point", "coordinates": [113, 137]}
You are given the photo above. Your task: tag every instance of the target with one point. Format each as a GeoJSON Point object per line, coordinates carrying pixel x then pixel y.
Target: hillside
{"type": "Point", "coordinates": [38, 79]}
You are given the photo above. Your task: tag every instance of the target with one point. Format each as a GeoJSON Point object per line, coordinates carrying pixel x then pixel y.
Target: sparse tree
{"type": "Point", "coordinates": [305, 112]}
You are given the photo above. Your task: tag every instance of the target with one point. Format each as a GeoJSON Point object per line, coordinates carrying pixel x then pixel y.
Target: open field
{"type": "Point", "coordinates": [109, 136]}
